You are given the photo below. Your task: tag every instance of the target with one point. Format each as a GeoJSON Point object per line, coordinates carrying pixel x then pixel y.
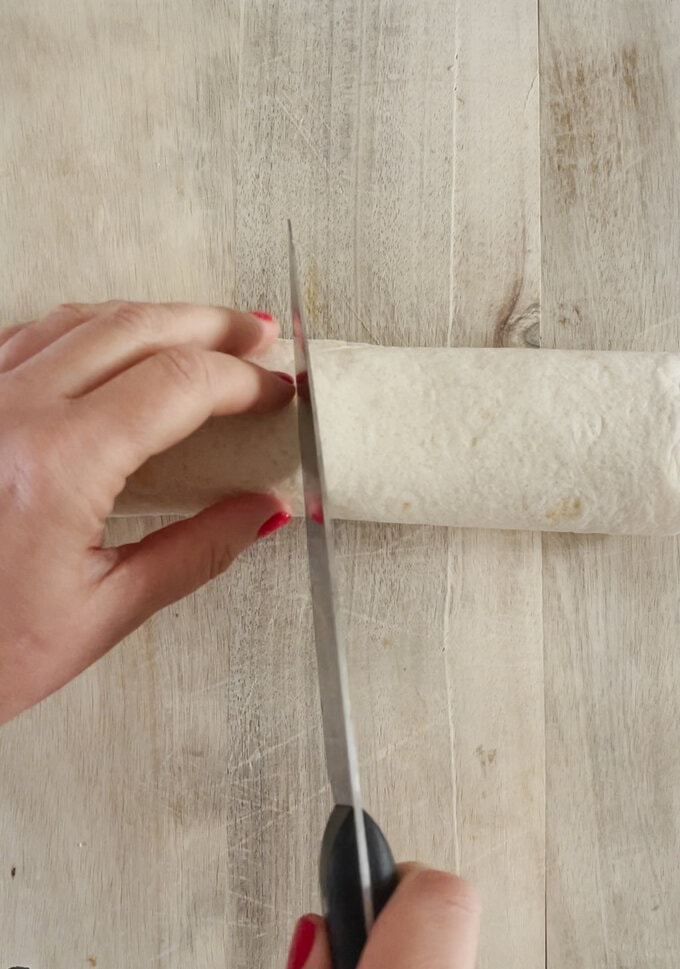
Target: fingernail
{"type": "Point", "coordinates": [283, 376]}
{"type": "Point", "coordinates": [302, 944]}
{"type": "Point", "coordinates": [278, 520]}
{"type": "Point", "coordinates": [263, 316]}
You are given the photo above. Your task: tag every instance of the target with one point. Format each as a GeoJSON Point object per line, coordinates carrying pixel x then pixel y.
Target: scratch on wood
{"type": "Point", "coordinates": [361, 323]}
{"type": "Point", "coordinates": [298, 126]}
{"type": "Point", "coordinates": [531, 87]}
{"type": "Point", "coordinates": [450, 708]}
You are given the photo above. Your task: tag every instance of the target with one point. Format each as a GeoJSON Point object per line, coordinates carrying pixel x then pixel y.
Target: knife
{"type": "Point", "coordinates": [356, 870]}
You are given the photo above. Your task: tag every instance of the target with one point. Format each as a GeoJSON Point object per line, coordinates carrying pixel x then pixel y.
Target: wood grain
{"type": "Point", "coordinates": [164, 808]}
{"type": "Point", "coordinates": [492, 641]}
{"type": "Point", "coordinates": [610, 117]}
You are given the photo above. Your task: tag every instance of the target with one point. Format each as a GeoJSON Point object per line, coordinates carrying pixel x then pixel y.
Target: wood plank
{"type": "Point", "coordinates": [611, 209]}
{"type": "Point", "coordinates": [117, 177]}
{"type": "Point", "coordinates": [493, 633]}
{"type": "Point", "coordinates": [189, 782]}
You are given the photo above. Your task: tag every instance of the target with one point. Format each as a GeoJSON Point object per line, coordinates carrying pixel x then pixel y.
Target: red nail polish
{"type": "Point", "coordinates": [283, 376]}
{"type": "Point", "coordinates": [278, 520]}
{"type": "Point", "coordinates": [263, 316]}
{"type": "Point", "coordinates": [302, 944]}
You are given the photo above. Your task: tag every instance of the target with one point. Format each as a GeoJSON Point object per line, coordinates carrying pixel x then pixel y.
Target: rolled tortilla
{"type": "Point", "coordinates": [549, 440]}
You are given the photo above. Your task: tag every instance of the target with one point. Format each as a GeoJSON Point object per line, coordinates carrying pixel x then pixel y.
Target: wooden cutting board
{"type": "Point", "coordinates": [516, 694]}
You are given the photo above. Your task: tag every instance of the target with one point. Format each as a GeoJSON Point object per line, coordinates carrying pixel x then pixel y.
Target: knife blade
{"type": "Point", "coordinates": [357, 870]}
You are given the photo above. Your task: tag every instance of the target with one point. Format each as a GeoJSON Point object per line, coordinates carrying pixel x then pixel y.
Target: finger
{"type": "Point", "coordinates": [309, 945]}
{"type": "Point", "coordinates": [432, 921]}
{"type": "Point", "coordinates": [166, 397]}
{"type": "Point", "coordinates": [170, 563]}
{"type": "Point", "coordinates": [126, 333]}
{"type": "Point", "coordinates": [28, 339]}
{"type": "Point", "coordinates": [7, 332]}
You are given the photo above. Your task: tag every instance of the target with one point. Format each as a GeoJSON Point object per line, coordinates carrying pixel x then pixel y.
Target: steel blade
{"type": "Point", "coordinates": [341, 755]}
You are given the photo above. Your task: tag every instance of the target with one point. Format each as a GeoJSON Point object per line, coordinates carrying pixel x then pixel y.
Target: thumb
{"type": "Point", "coordinates": [431, 922]}
{"type": "Point", "coordinates": [175, 560]}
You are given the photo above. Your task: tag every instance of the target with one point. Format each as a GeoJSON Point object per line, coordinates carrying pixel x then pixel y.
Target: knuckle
{"type": "Point", "coordinates": [448, 890]}
{"type": "Point", "coordinates": [221, 557]}
{"type": "Point", "coordinates": [110, 309]}
{"type": "Point", "coordinates": [64, 309]}
{"type": "Point", "coordinates": [139, 319]}
{"type": "Point", "coordinates": [7, 332]}
{"type": "Point", "coordinates": [29, 466]}
{"type": "Point", "coordinates": [65, 312]}
{"type": "Point", "coordinates": [185, 366]}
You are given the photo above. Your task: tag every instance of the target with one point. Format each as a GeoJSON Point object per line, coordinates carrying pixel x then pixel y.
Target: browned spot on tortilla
{"type": "Point", "coordinates": [564, 510]}
{"type": "Point", "coordinates": [92, 960]}
{"type": "Point", "coordinates": [473, 441]}
{"type": "Point", "coordinates": [385, 642]}
{"type": "Point", "coordinates": [406, 505]}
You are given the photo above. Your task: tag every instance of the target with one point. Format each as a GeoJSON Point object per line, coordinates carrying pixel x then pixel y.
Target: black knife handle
{"type": "Point", "coordinates": [341, 885]}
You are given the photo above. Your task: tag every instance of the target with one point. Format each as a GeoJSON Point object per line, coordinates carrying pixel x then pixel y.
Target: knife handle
{"type": "Point", "coordinates": [341, 884]}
